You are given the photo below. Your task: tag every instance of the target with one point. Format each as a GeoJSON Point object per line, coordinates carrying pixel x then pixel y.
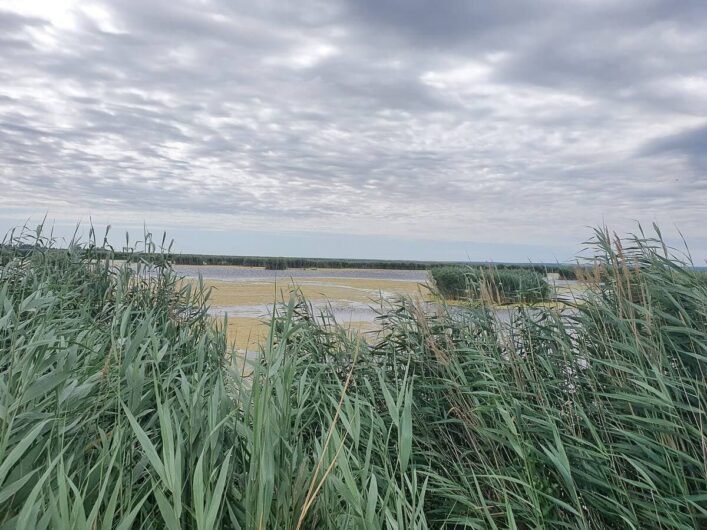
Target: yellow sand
{"type": "Point", "coordinates": [248, 332]}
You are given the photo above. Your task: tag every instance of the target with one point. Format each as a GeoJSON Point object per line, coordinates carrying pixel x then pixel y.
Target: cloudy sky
{"type": "Point", "coordinates": [373, 128]}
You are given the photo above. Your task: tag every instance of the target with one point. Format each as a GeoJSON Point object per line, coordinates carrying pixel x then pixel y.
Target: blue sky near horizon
{"type": "Point", "coordinates": [387, 129]}
{"type": "Point", "coordinates": [313, 244]}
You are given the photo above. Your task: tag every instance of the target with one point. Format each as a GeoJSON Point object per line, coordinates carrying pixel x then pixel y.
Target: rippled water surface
{"type": "Point", "coordinates": [247, 274]}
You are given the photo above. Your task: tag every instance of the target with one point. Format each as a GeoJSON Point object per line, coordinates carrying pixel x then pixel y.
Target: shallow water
{"type": "Point", "coordinates": [346, 311]}
{"type": "Point", "coordinates": [342, 311]}
{"type": "Point", "coordinates": [247, 274]}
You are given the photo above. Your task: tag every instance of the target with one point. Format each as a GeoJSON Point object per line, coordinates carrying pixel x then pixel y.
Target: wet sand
{"type": "Point", "coordinates": [352, 301]}
{"type": "Point", "coordinates": [353, 296]}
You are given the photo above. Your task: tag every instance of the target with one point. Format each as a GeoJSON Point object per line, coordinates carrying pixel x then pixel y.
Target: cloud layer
{"type": "Point", "coordinates": [509, 122]}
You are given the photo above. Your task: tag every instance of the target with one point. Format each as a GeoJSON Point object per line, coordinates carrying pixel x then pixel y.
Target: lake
{"type": "Point", "coordinates": [254, 274]}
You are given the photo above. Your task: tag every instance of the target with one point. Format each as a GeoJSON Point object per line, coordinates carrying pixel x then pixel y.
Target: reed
{"type": "Point", "coordinates": [122, 406]}
{"type": "Point", "coordinates": [490, 284]}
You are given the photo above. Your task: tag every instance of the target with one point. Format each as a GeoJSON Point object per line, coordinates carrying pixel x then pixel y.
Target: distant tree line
{"type": "Point", "coordinates": [282, 263]}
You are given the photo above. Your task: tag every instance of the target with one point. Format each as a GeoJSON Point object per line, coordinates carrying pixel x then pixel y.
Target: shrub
{"type": "Point", "coordinates": [497, 285]}
{"type": "Point", "coordinates": [451, 281]}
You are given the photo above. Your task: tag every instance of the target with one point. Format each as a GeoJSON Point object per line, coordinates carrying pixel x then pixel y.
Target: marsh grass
{"type": "Point", "coordinates": [121, 406]}
{"type": "Point", "coordinates": [490, 285]}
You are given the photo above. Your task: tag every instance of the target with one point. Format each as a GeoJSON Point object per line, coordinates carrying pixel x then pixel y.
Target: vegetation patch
{"type": "Point", "coordinates": [490, 284]}
{"type": "Point", "coordinates": [121, 406]}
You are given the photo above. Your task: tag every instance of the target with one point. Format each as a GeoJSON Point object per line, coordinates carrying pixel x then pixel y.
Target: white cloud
{"type": "Point", "coordinates": [508, 122]}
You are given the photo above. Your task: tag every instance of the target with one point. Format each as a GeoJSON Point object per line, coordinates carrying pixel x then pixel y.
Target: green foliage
{"type": "Point", "coordinates": [452, 281]}
{"type": "Point", "coordinates": [565, 272]}
{"type": "Point", "coordinates": [276, 264]}
{"type": "Point", "coordinates": [121, 407]}
{"type": "Point", "coordinates": [498, 285]}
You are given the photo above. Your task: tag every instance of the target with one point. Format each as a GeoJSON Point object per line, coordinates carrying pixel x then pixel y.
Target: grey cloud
{"type": "Point", "coordinates": [431, 117]}
{"type": "Point", "coordinates": [15, 23]}
{"type": "Point", "coordinates": [453, 22]}
{"type": "Point", "coordinates": [692, 144]}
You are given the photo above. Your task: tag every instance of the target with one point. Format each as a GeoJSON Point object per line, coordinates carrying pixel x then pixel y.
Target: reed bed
{"type": "Point", "coordinates": [122, 406]}
{"type": "Point", "coordinates": [491, 285]}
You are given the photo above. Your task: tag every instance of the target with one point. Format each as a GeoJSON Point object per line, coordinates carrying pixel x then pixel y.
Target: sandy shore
{"type": "Point", "coordinates": [242, 301]}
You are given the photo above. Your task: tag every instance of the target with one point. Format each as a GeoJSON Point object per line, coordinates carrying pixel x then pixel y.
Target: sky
{"type": "Point", "coordinates": [404, 129]}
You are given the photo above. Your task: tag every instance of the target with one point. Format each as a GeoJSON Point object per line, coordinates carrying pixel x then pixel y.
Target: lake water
{"type": "Point", "coordinates": [247, 274]}
{"type": "Point", "coordinates": [343, 311]}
